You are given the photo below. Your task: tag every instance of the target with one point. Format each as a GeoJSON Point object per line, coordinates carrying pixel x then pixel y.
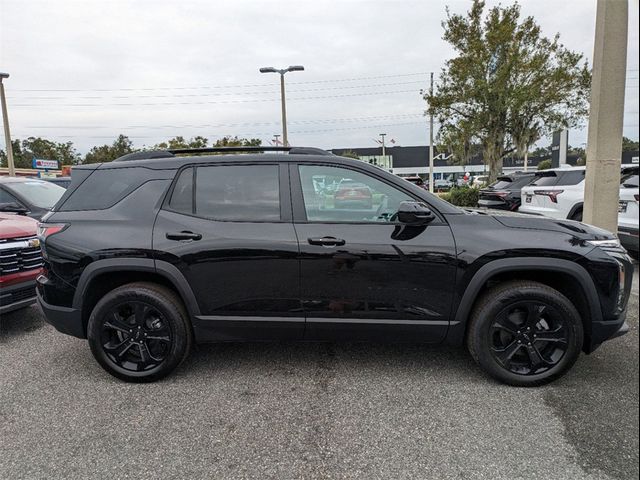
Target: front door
{"type": "Point", "coordinates": [364, 275]}
{"type": "Point", "coordinates": [228, 230]}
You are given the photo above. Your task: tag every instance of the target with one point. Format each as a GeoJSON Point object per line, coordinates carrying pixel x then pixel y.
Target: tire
{"type": "Point", "coordinates": [577, 215]}
{"type": "Point", "coordinates": [140, 332]}
{"type": "Point", "coordinates": [501, 344]}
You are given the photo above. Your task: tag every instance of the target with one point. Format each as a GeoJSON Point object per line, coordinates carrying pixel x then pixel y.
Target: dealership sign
{"type": "Point", "coordinates": [44, 164]}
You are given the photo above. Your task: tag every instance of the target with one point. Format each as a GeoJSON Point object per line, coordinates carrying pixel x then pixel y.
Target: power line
{"type": "Point", "coordinates": [243, 124]}
{"type": "Point", "coordinates": [252, 85]}
{"type": "Point", "coordinates": [149, 104]}
{"type": "Point", "coordinates": [187, 95]}
{"type": "Point", "coordinates": [257, 134]}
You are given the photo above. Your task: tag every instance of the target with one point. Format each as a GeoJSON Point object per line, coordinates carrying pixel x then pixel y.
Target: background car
{"type": "Point", "coordinates": [29, 196]}
{"type": "Point", "coordinates": [353, 194]}
{"type": "Point", "coordinates": [418, 181]}
{"type": "Point", "coordinates": [20, 261]}
{"type": "Point", "coordinates": [504, 193]}
{"type": "Point", "coordinates": [557, 193]}
{"type": "Point", "coordinates": [481, 181]}
{"type": "Point", "coordinates": [628, 210]}
{"type": "Point", "coordinates": [64, 182]}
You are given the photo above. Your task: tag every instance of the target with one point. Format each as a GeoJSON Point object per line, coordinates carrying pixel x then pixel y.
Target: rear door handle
{"type": "Point", "coordinates": [326, 241]}
{"type": "Point", "coordinates": [184, 235]}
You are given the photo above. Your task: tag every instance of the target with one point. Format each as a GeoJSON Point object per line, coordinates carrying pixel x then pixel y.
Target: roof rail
{"type": "Point", "coordinates": [172, 152]}
{"type": "Point", "coordinates": [145, 155]}
{"type": "Point", "coordinates": [290, 150]}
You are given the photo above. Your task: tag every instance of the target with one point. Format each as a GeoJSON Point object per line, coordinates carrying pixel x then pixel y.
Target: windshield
{"type": "Point", "coordinates": [37, 193]}
{"type": "Point", "coordinates": [629, 181]}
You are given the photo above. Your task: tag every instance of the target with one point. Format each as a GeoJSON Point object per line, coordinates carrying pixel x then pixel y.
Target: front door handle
{"type": "Point", "coordinates": [184, 235]}
{"type": "Point", "coordinates": [326, 241]}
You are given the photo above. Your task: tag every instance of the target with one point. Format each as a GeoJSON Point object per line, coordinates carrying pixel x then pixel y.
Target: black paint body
{"type": "Point", "coordinates": [265, 280]}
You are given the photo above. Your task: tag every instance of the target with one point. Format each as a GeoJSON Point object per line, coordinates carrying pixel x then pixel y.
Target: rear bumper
{"type": "Point", "coordinates": [64, 319]}
{"type": "Point", "coordinates": [17, 296]}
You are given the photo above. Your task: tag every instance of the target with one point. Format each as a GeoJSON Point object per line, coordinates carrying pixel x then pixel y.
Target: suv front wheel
{"type": "Point", "coordinates": [139, 332]}
{"type": "Point", "coordinates": [525, 333]}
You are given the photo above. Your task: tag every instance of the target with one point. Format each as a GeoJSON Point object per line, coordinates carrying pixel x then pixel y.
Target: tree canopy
{"type": "Point", "coordinates": [24, 151]}
{"type": "Point", "coordinates": [508, 85]}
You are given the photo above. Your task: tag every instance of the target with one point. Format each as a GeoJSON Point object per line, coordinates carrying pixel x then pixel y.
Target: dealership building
{"type": "Point", "coordinates": [410, 161]}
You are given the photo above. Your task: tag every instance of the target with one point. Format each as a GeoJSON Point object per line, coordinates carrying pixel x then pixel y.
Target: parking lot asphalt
{"type": "Point", "coordinates": [311, 411]}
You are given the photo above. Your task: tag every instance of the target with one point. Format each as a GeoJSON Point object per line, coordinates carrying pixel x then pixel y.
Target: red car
{"type": "Point", "coordinates": [20, 261]}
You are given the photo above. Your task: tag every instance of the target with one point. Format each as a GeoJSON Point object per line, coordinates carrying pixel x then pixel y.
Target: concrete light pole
{"type": "Point", "coordinates": [604, 141]}
{"type": "Point", "coordinates": [7, 134]}
{"type": "Point", "coordinates": [282, 71]}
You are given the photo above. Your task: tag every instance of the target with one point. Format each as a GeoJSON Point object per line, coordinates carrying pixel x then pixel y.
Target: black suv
{"type": "Point", "coordinates": [149, 254]}
{"type": "Point", "coordinates": [504, 193]}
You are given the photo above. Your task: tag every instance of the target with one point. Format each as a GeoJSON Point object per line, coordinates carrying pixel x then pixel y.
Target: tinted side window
{"type": "Point", "coordinates": [334, 194]}
{"type": "Point", "coordinates": [182, 195]}
{"type": "Point", "coordinates": [104, 188]}
{"type": "Point", "coordinates": [238, 192]}
{"type": "Point", "coordinates": [629, 181]}
{"type": "Point", "coordinates": [571, 178]}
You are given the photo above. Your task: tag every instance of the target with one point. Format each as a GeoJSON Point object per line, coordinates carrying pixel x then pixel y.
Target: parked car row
{"type": "Point", "coordinates": [559, 193]}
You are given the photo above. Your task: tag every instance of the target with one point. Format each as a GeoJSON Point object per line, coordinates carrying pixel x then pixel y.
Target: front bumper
{"type": "Point", "coordinates": [17, 296]}
{"type": "Point", "coordinates": [64, 319]}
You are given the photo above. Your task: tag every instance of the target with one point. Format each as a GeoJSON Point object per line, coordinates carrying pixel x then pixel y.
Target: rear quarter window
{"type": "Point", "coordinates": [571, 178]}
{"type": "Point", "coordinates": [104, 188]}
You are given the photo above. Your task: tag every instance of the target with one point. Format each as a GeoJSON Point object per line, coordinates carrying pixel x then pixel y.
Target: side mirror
{"type": "Point", "coordinates": [414, 213]}
{"type": "Point", "coordinates": [13, 207]}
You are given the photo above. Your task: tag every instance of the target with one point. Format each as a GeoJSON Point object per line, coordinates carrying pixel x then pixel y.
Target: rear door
{"type": "Point", "coordinates": [228, 229]}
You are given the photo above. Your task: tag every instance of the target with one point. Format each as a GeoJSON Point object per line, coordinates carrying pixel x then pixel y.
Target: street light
{"type": "Point", "coordinates": [282, 71]}
{"type": "Point", "coordinates": [5, 118]}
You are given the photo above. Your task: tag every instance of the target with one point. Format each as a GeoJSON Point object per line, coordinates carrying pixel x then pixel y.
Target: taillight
{"type": "Point", "coordinates": [45, 230]}
{"type": "Point", "coordinates": [552, 194]}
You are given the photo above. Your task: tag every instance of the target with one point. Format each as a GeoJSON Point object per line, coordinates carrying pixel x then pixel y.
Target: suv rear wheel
{"type": "Point", "coordinates": [525, 333]}
{"type": "Point", "coordinates": [139, 332]}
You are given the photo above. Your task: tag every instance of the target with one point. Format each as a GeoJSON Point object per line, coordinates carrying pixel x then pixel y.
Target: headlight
{"type": "Point", "coordinates": [609, 243]}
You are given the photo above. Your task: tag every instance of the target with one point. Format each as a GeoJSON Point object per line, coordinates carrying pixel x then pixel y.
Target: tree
{"type": "Point", "coordinates": [107, 153]}
{"type": "Point", "coordinates": [37, 147]}
{"type": "Point", "coordinates": [544, 164]}
{"type": "Point", "coordinates": [508, 85]}
{"type": "Point", "coordinates": [180, 142]}
{"type": "Point", "coordinates": [350, 154]}
{"type": "Point", "coordinates": [629, 145]}
{"type": "Point", "coordinates": [237, 142]}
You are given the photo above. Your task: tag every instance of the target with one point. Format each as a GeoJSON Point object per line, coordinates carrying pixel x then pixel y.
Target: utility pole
{"type": "Point", "coordinates": [431, 160]}
{"type": "Point", "coordinates": [382, 135]}
{"type": "Point", "coordinates": [606, 112]}
{"type": "Point", "coordinates": [7, 134]}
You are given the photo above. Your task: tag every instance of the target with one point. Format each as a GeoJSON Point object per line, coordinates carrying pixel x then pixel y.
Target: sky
{"type": "Point", "coordinates": [86, 71]}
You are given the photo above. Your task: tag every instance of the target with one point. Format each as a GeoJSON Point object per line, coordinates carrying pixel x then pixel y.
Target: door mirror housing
{"type": "Point", "coordinates": [414, 213]}
{"type": "Point", "coordinates": [13, 207]}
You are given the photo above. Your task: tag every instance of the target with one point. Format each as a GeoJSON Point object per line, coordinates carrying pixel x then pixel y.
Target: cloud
{"type": "Point", "coordinates": [156, 69]}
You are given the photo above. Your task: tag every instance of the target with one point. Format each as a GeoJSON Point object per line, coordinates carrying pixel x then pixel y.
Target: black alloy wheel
{"type": "Point", "coordinates": [135, 336]}
{"type": "Point", "coordinates": [525, 333]}
{"type": "Point", "coordinates": [139, 332]}
{"type": "Point", "coordinates": [529, 337]}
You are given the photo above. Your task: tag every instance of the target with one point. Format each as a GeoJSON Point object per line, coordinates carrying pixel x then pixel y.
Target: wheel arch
{"type": "Point", "coordinates": [578, 206]}
{"type": "Point", "coordinates": [570, 278]}
{"type": "Point", "coordinates": [102, 276]}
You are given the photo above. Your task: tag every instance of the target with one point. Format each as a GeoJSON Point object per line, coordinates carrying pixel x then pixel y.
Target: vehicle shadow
{"type": "Point", "coordinates": [299, 358]}
{"type": "Point", "coordinates": [21, 321]}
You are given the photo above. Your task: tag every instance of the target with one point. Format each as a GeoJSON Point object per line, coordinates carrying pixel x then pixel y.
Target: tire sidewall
{"type": "Point", "coordinates": [172, 314]}
{"type": "Point", "coordinates": [485, 315]}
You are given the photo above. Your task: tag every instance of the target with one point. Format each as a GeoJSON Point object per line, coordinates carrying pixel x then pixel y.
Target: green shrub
{"type": "Point", "coordinates": [544, 165]}
{"type": "Point", "coordinates": [463, 196]}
